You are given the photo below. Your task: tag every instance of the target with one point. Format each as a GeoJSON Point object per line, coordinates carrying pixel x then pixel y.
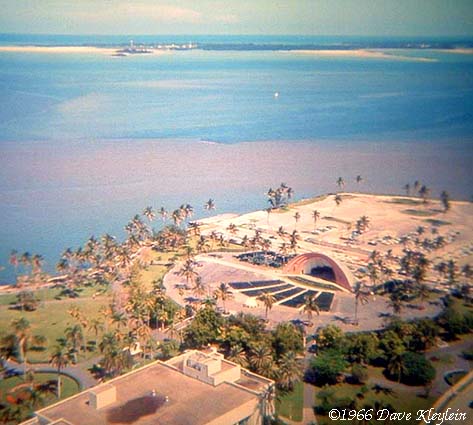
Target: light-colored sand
{"type": "Point", "coordinates": [390, 217]}
{"type": "Point", "coordinates": [364, 53]}
{"type": "Point", "coordinates": [461, 51]}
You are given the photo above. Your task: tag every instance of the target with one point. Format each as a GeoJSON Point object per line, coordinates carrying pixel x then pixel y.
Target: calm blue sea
{"type": "Point", "coordinates": [88, 139]}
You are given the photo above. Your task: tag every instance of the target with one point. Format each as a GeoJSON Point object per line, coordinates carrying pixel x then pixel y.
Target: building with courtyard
{"type": "Point", "coordinates": [195, 388]}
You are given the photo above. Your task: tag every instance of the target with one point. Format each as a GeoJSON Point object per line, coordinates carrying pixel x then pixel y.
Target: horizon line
{"type": "Point", "coordinates": [240, 34]}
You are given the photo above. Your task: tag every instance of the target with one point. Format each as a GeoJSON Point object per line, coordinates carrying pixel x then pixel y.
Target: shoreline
{"type": "Point", "coordinates": [370, 201]}
{"type": "Point", "coordinates": [365, 53]}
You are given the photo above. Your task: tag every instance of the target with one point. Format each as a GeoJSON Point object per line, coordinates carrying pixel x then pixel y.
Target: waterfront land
{"type": "Point", "coordinates": [187, 285]}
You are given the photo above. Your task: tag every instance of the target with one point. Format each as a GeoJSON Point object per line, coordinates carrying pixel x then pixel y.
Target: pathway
{"type": "Point", "coordinates": [79, 372]}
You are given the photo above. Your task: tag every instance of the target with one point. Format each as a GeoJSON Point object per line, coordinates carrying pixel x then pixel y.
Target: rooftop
{"type": "Point", "coordinates": [161, 393]}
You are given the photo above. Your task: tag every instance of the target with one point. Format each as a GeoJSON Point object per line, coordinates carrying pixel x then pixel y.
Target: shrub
{"type": "Point", "coordinates": [359, 373]}
{"type": "Point", "coordinates": [417, 369]}
{"type": "Point", "coordinates": [331, 337]}
{"type": "Point", "coordinates": [326, 368]}
{"type": "Point", "coordinates": [455, 323]}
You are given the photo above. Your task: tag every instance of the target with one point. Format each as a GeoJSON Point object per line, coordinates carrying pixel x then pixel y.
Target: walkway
{"type": "Point", "coordinates": [79, 372]}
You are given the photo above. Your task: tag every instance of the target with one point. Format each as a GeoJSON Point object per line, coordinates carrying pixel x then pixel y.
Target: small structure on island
{"type": "Point", "coordinates": [321, 266]}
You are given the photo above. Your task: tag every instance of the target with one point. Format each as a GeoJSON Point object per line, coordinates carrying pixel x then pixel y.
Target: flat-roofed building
{"type": "Point", "coordinates": [195, 388]}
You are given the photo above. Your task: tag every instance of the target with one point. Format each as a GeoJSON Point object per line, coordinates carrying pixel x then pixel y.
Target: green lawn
{"type": "Point", "coordinates": [151, 273]}
{"type": "Point", "coordinates": [435, 222]}
{"type": "Point", "coordinates": [461, 306]}
{"type": "Point", "coordinates": [69, 386]}
{"type": "Point", "coordinates": [51, 319]}
{"type": "Point", "coordinates": [49, 294]}
{"type": "Point", "coordinates": [404, 201]}
{"type": "Point", "coordinates": [419, 213]}
{"type": "Point", "coordinates": [290, 405]}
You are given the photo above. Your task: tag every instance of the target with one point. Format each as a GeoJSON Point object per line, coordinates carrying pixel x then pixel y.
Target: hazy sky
{"type": "Point", "coordinates": [317, 17]}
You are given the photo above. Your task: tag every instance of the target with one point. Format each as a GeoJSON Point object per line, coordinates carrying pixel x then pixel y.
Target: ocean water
{"type": "Point", "coordinates": [88, 140]}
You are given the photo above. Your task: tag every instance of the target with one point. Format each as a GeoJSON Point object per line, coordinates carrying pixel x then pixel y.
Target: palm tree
{"type": "Point", "coordinates": [281, 232]}
{"type": "Point", "coordinates": [396, 365]}
{"type": "Point", "coordinates": [8, 348]}
{"type": "Point", "coordinates": [297, 217]}
{"type": "Point", "coordinates": [209, 205]}
{"type": "Point", "coordinates": [261, 358]}
{"type": "Point", "coordinates": [340, 183]}
{"type": "Point", "coordinates": [422, 291]}
{"type": "Point", "coordinates": [114, 359]}
{"type": "Point", "coordinates": [25, 259]}
{"type": "Point", "coordinates": [268, 212]}
{"type": "Point", "coordinates": [75, 337]}
{"type": "Point", "coordinates": [22, 332]}
{"type": "Point", "coordinates": [149, 213]}
{"type": "Point", "coordinates": [238, 355]}
{"type": "Point", "coordinates": [188, 211]}
{"type": "Point", "coordinates": [14, 261]}
{"type": "Point", "coordinates": [373, 273]}
{"type": "Point", "coordinates": [337, 199]}
{"type": "Point", "coordinates": [424, 193]}
{"type": "Point", "coordinates": [163, 213]}
{"type": "Point", "coordinates": [96, 325]}
{"type": "Point", "coordinates": [407, 188]}
{"type": "Point", "coordinates": [224, 293]}
{"type": "Point", "coordinates": [232, 229]}
{"type": "Point", "coordinates": [177, 217]}
{"type": "Point", "coordinates": [60, 359]}
{"type": "Point", "coordinates": [283, 250]}
{"type": "Point", "coordinates": [293, 240]}
{"type": "Point", "coordinates": [445, 199]}
{"type": "Point", "coordinates": [188, 271]}
{"type": "Point", "coordinates": [310, 306]}
{"type": "Point", "coordinates": [361, 297]}
{"type": "Point", "coordinates": [315, 217]}
{"type": "Point", "coordinates": [467, 271]}
{"type": "Point", "coordinates": [395, 301]}
{"type": "Point", "coordinates": [452, 271]}
{"type": "Point", "coordinates": [203, 244]}
{"type": "Point", "coordinates": [268, 300]}
{"type": "Point", "coordinates": [199, 287]}
{"type": "Point", "coordinates": [289, 371]}
{"type": "Point", "coordinates": [266, 246]}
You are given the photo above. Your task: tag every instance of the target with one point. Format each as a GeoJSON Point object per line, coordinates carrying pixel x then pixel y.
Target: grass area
{"type": "Point", "coordinates": [290, 405]}
{"type": "Point", "coordinates": [69, 386]}
{"type": "Point", "coordinates": [308, 201]}
{"type": "Point", "coordinates": [403, 399]}
{"type": "Point", "coordinates": [51, 319]}
{"type": "Point", "coordinates": [52, 293]}
{"type": "Point", "coordinates": [404, 201]}
{"type": "Point", "coordinates": [419, 213]}
{"type": "Point", "coordinates": [435, 222]}
{"type": "Point", "coordinates": [231, 247]}
{"type": "Point", "coordinates": [461, 306]}
{"type": "Point", "coordinates": [16, 386]}
{"type": "Point", "coordinates": [337, 220]}
{"type": "Point", "coordinates": [283, 209]}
